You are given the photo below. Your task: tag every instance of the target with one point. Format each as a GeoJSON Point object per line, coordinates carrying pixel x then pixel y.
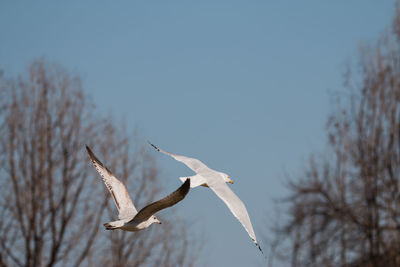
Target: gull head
{"type": "Point", "coordinates": [226, 178]}
{"type": "Point", "coordinates": [153, 219]}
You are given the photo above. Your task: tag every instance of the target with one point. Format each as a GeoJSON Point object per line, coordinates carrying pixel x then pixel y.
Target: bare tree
{"type": "Point", "coordinates": [52, 201]}
{"type": "Point", "coordinates": [345, 209]}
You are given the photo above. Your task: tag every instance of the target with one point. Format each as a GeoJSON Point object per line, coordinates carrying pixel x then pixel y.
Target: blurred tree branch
{"type": "Point", "coordinates": [345, 210]}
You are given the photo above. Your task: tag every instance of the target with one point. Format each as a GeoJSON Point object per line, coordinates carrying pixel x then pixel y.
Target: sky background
{"type": "Point", "coordinates": [243, 86]}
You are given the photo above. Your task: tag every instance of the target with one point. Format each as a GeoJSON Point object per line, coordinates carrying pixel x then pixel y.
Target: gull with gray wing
{"type": "Point", "coordinates": [129, 218]}
{"type": "Point", "coordinates": [216, 181]}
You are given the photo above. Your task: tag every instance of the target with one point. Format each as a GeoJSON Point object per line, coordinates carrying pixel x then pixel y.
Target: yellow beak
{"type": "Point", "coordinates": [231, 182]}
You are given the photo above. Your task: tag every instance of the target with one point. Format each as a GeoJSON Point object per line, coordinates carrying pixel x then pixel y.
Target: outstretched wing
{"type": "Point", "coordinates": [196, 165]}
{"type": "Point", "coordinates": [166, 202]}
{"type": "Point", "coordinates": [235, 205]}
{"type": "Point", "coordinates": [117, 189]}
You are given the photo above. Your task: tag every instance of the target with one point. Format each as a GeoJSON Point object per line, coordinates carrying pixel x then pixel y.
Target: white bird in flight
{"type": "Point", "coordinates": [216, 181]}
{"type": "Point", "coordinates": [129, 218]}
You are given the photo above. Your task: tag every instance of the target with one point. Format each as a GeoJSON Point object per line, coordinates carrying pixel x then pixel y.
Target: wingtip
{"type": "Point", "coordinates": [186, 186]}
{"type": "Point", "coordinates": [156, 148]}
{"type": "Point", "coordinates": [93, 157]}
{"type": "Point", "coordinates": [258, 246]}
{"type": "Point", "coordinates": [187, 181]}
{"type": "Point", "coordinates": [88, 149]}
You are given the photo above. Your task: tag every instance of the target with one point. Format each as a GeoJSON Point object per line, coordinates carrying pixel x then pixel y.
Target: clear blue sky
{"type": "Point", "coordinates": [241, 85]}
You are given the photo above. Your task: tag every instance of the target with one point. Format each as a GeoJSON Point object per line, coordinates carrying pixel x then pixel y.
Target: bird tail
{"type": "Point", "coordinates": [113, 225]}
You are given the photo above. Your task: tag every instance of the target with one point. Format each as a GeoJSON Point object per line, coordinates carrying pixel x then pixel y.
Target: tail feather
{"type": "Point", "coordinates": [113, 225]}
{"type": "Point", "coordinates": [109, 226]}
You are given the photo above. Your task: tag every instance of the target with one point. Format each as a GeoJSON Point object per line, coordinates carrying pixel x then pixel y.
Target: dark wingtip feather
{"type": "Point", "coordinates": [90, 152]}
{"type": "Point", "coordinates": [94, 159]}
{"type": "Point", "coordinates": [156, 148]}
{"type": "Point", "coordinates": [258, 246]}
{"type": "Point", "coordinates": [186, 187]}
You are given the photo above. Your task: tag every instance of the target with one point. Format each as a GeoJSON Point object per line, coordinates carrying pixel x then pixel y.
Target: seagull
{"type": "Point", "coordinates": [216, 181]}
{"type": "Point", "coordinates": [129, 218]}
